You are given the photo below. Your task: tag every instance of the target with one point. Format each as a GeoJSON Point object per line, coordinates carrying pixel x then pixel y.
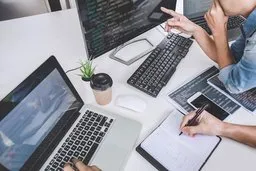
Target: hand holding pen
{"type": "Point", "coordinates": [194, 120]}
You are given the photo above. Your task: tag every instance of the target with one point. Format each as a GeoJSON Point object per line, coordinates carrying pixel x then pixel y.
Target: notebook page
{"type": "Point", "coordinates": [178, 153]}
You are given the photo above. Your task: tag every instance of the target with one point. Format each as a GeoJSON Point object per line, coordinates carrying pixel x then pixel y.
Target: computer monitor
{"type": "Point", "coordinates": [109, 23]}
{"type": "Point", "coordinates": [195, 8]}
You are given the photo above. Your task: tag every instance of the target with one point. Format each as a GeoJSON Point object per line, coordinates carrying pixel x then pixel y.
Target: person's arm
{"type": "Point", "coordinates": [210, 125]}
{"type": "Point", "coordinates": [240, 133]}
{"type": "Point", "coordinates": [180, 22]}
{"type": "Point", "coordinates": [217, 21]}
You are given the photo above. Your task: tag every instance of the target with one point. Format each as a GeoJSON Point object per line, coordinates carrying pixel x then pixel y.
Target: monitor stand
{"type": "Point", "coordinates": [132, 51]}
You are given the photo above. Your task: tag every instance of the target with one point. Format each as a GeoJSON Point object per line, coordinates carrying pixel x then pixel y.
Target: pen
{"type": "Point", "coordinates": [193, 121]}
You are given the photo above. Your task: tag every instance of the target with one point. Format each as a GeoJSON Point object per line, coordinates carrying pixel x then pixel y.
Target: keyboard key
{"type": "Point", "coordinates": [93, 138]}
{"type": "Point", "coordinates": [89, 142]}
{"type": "Point", "coordinates": [52, 161]}
{"type": "Point", "coordinates": [103, 121]}
{"type": "Point", "coordinates": [67, 147]}
{"type": "Point", "coordinates": [102, 134]}
{"type": "Point", "coordinates": [90, 123]}
{"type": "Point", "coordinates": [56, 156]}
{"type": "Point", "coordinates": [98, 139]}
{"type": "Point", "coordinates": [59, 169]}
{"type": "Point", "coordinates": [73, 147]}
{"type": "Point", "coordinates": [62, 164]}
{"type": "Point", "coordinates": [98, 119]}
{"type": "Point", "coordinates": [86, 138]}
{"type": "Point", "coordinates": [76, 154]}
{"type": "Point", "coordinates": [79, 148]}
{"type": "Point", "coordinates": [83, 143]}
{"type": "Point", "coordinates": [80, 137]}
{"type": "Point", "coordinates": [83, 153]}
{"type": "Point", "coordinates": [98, 128]}
{"type": "Point", "coordinates": [77, 142]}
{"type": "Point", "coordinates": [55, 165]}
{"type": "Point", "coordinates": [59, 159]}
{"type": "Point", "coordinates": [95, 133]}
{"type": "Point", "coordinates": [92, 129]}
{"type": "Point", "coordinates": [70, 142]}
{"type": "Point", "coordinates": [47, 168]}
{"type": "Point", "coordinates": [95, 115]}
{"type": "Point", "coordinates": [70, 153]}
{"type": "Point", "coordinates": [66, 159]}
{"type": "Point", "coordinates": [86, 148]}
{"type": "Point", "coordinates": [90, 153]}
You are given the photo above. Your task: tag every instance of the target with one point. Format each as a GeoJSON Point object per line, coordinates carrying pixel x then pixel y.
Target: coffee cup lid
{"type": "Point", "coordinates": [101, 81]}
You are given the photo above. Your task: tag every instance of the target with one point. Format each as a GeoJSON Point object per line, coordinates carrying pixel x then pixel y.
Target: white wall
{"type": "Point", "coordinates": [10, 9]}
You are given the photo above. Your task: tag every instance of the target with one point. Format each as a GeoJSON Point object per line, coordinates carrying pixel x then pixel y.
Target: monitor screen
{"type": "Point", "coordinates": [110, 23]}
{"type": "Point", "coordinates": [34, 111]}
{"type": "Point", "coordinates": [195, 8]}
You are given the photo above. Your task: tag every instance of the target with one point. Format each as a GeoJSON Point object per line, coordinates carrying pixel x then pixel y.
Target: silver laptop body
{"type": "Point", "coordinates": [44, 124]}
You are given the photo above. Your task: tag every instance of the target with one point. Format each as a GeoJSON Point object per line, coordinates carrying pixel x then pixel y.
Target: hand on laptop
{"type": "Point", "coordinates": [80, 166]}
{"type": "Point", "coordinates": [179, 22]}
{"type": "Point", "coordinates": [216, 19]}
{"type": "Point", "coordinates": [208, 125]}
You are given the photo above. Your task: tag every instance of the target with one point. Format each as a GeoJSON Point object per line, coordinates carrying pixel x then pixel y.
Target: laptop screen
{"type": "Point", "coordinates": [28, 115]}
{"type": "Point", "coordinates": [196, 8]}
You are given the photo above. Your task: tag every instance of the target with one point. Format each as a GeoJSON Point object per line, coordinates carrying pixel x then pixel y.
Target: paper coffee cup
{"type": "Point", "coordinates": [101, 85]}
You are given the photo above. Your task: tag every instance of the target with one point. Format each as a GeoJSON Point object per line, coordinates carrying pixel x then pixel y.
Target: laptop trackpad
{"type": "Point", "coordinates": [108, 157]}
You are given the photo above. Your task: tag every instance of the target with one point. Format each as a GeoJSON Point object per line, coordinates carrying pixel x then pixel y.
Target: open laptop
{"type": "Point", "coordinates": [44, 124]}
{"type": "Point", "coordinates": [195, 10]}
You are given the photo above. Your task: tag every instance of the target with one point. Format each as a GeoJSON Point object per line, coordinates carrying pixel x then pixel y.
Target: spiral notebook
{"type": "Point", "coordinates": [166, 150]}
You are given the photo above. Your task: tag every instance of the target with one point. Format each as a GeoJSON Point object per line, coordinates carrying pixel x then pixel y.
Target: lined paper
{"type": "Point", "coordinates": [178, 153]}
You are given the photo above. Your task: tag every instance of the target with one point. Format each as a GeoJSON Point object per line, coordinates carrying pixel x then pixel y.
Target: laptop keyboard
{"type": "Point", "coordinates": [233, 22]}
{"type": "Point", "coordinates": [83, 141]}
{"type": "Point", "coordinates": [155, 72]}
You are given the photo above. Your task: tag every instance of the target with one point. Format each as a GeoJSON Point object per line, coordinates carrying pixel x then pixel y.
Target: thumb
{"type": "Point", "coordinates": [191, 130]}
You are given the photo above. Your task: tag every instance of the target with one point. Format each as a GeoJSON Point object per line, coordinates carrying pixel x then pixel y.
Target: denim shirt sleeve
{"type": "Point", "coordinates": [237, 48]}
{"type": "Point", "coordinates": [241, 76]}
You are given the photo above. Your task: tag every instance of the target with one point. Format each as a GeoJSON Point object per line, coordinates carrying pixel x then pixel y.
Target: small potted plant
{"type": "Point", "coordinates": [87, 70]}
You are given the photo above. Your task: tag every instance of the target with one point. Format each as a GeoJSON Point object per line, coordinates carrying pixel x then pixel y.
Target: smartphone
{"type": "Point", "coordinates": [199, 99]}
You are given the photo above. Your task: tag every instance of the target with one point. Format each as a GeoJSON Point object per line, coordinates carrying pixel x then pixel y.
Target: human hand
{"type": "Point", "coordinates": [216, 19]}
{"type": "Point", "coordinates": [80, 166]}
{"type": "Point", "coordinates": [207, 124]}
{"type": "Point", "coordinates": [179, 22]}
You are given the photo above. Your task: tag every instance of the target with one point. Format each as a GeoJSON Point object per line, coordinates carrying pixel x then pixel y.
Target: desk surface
{"type": "Point", "coordinates": [25, 43]}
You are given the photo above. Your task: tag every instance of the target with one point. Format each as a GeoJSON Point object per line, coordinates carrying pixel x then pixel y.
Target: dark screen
{"type": "Point", "coordinates": [110, 23]}
{"type": "Point", "coordinates": [212, 109]}
{"type": "Point", "coordinates": [33, 117]}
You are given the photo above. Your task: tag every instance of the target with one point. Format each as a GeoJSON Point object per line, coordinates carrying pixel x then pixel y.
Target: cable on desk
{"type": "Point", "coordinates": [89, 59]}
{"type": "Point", "coordinates": [72, 69]}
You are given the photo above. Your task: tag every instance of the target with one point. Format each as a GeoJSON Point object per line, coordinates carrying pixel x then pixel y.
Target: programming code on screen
{"type": "Point", "coordinates": [110, 23]}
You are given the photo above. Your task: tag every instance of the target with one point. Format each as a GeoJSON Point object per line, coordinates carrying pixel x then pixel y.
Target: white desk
{"type": "Point", "coordinates": [25, 43]}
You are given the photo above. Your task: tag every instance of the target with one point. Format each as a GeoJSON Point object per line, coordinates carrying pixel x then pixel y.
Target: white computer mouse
{"type": "Point", "coordinates": [132, 102]}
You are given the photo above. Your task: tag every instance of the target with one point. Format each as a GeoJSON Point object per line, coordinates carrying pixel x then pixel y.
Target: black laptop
{"type": "Point", "coordinates": [44, 123]}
